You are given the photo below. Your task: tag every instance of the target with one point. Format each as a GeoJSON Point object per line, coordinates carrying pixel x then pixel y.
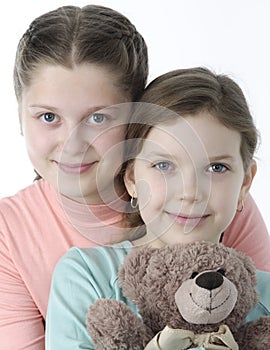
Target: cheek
{"type": "Point", "coordinates": [110, 142]}
{"type": "Point", "coordinates": [225, 201]}
{"type": "Point", "coordinates": [152, 194]}
{"type": "Point", "coordinates": [36, 143]}
{"type": "Point", "coordinates": [110, 148]}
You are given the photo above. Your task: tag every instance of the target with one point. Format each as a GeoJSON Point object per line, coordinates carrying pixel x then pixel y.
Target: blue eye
{"type": "Point", "coordinates": [163, 166]}
{"type": "Point", "coordinates": [97, 118]}
{"type": "Point", "coordinates": [217, 168]}
{"type": "Point", "coordinates": [49, 118]}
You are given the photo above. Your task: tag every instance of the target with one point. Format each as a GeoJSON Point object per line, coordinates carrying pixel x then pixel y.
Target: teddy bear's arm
{"type": "Point", "coordinates": [254, 335]}
{"type": "Point", "coordinates": [112, 325]}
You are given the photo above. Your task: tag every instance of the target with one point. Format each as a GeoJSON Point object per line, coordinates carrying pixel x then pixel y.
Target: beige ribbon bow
{"type": "Point", "coordinates": [180, 339]}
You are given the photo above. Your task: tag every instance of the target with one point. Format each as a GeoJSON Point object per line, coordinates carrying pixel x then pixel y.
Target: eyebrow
{"type": "Point", "coordinates": [158, 154]}
{"type": "Point", "coordinates": [222, 156]}
{"type": "Point", "coordinates": [94, 107]}
{"type": "Point", "coordinates": [89, 111]}
{"type": "Point", "coordinates": [212, 159]}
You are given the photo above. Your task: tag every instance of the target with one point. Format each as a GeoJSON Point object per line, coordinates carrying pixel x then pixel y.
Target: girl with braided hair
{"type": "Point", "coordinates": [70, 64]}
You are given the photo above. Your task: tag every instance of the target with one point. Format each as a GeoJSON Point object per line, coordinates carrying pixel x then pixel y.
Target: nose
{"type": "Point", "coordinates": [191, 186]}
{"type": "Point", "coordinates": [209, 280]}
{"type": "Point", "coordinates": [74, 140]}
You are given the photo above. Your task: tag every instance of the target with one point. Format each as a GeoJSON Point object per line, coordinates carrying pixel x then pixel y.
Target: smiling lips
{"type": "Point", "coordinates": [79, 168]}
{"type": "Point", "coordinates": [182, 219]}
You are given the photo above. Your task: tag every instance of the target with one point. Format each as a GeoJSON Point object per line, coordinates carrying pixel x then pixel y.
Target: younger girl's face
{"type": "Point", "coordinates": [189, 178]}
{"type": "Point", "coordinates": [73, 137]}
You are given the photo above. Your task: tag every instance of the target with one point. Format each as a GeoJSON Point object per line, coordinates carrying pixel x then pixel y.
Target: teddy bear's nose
{"type": "Point", "coordinates": [209, 280]}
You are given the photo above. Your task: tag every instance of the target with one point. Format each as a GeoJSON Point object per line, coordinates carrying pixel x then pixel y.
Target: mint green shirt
{"type": "Point", "coordinates": [84, 275]}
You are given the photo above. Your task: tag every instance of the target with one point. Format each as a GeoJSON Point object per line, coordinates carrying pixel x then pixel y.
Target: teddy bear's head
{"type": "Point", "coordinates": [196, 286]}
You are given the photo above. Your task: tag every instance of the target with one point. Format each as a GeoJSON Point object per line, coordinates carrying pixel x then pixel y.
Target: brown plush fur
{"type": "Point", "coordinates": [150, 278]}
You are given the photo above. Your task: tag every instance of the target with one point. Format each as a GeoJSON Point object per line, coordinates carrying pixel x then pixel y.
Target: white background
{"type": "Point", "coordinates": [229, 36]}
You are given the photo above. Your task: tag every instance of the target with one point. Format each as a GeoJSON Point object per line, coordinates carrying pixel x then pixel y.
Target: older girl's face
{"type": "Point", "coordinates": [189, 179]}
{"type": "Point", "coordinates": [73, 137]}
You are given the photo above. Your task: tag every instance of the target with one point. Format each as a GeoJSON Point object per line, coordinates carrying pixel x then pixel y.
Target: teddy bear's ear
{"type": "Point", "coordinates": [249, 266]}
{"type": "Point", "coordinates": [251, 269]}
{"type": "Point", "coordinates": [131, 273]}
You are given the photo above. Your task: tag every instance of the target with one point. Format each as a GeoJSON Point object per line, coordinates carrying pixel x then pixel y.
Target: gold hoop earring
{"type": "Point", "coordinates": [240, 206]}
{"type": "Point", "coordinates": [133, 202]}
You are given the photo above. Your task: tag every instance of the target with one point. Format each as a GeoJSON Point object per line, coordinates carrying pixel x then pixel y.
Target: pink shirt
{"type": "Point", "coordinates": [37, 226]}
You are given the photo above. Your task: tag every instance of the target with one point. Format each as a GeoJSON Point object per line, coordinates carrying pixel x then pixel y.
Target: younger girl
{"type": "Point", "coordinates": [188, 170]}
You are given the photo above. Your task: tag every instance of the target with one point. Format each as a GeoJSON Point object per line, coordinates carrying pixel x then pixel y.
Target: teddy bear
{"type": "Point", "coordinates": [194, 295]}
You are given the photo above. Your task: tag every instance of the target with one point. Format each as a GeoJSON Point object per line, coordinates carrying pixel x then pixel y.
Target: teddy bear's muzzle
{"type": "Point", "coordinates": [207, 298]}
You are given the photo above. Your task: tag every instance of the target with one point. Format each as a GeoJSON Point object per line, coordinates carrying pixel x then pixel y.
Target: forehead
{"type": "Point", "coordinates": [82, 85]}
{"type": "Point", "coordinates": [82, 75]}
{"type": "Point", "coordinates": [199, 134]}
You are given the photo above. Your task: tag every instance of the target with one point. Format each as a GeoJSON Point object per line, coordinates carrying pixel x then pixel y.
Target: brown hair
{"type": "Point", "coordinates": [187, 92]}
{"type": "Point", "coordinates": [72, 35]}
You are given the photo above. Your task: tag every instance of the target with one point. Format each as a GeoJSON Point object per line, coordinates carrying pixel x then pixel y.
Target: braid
{"type": "Point", "coordinates": [72, 35]}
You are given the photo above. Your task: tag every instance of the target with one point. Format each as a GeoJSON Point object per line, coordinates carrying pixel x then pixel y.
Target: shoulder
{"type": "Point", "coordinates": [26, 196]}
{"type": "Point", "coordinates": [263, 288]}
{"type": "Point", "coordinates": [106, 252]}
{"type": "Point", "coordinates": [101, 260]}
{"type": "Point", "coordinates": [26, 210]}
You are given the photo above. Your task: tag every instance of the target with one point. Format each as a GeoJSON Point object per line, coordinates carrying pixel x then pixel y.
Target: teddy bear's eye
{"type": "Point", "coordinates": [194, 274]}
{"type": "Point", "coordinates": [221, 271]}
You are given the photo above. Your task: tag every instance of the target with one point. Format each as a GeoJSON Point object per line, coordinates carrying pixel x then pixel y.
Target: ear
{"type": "Point", "coordinates": [20, 120]}
{"type": "Point", "coordinates": [248, 179]}
{"type": "Point", "coordinates": [130, 181]}
{"type": "Point", "coordinates": [133, 273]}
